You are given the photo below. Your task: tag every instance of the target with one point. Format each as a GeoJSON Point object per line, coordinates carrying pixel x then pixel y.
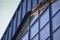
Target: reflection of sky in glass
{"type": "Point", "coordinates": [7, 9]}
{"type": "Point", "coordinates": [55, 6]}
{"type": "Point", "coordinates": [25, 36]}
{"type": "Point", "coordinates": [56, 21]}
{"type": "Point", "coordinates": [34, 29]}
{"type": "Point", "coordinates": [45, 32]}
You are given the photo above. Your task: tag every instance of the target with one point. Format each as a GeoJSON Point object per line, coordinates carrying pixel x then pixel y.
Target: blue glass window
{"type": "Point", "coordinates": [40, 1]}
{"type": "Point", "coordinates": [24, 8]}
{"type": "Point", "coordinates": [29, 5]}
{"type": "Point", "coordinates": [36, 37]}
{"type": "Point", "coordinates": [35, 17]}
{"type": "Point", "coordinates": [34, 3]}
{"type": "Point", "coordinates": [44, 32]}
{"type": "Point", "coordinates": [55, 6]}
{"type": "Point", "coordinates": [14, 25]}
{"type": "Point", "coordinates": [10, 29]}
{"type": "Point", "coordinates": [56, 21]}
{"type": "Point", "coordinates": [48, 39]}
{"type": "Point", "coordinates": [19, 17]}
{"type": "Point", "coordinates": [4, 37]}
{"type": "Point", "coordinates": [56, 35]}
{"type": "Point", "coordinates": [25, 37]}
{"type": "Point", "coordinates": [34, 29]}
{"type": "Point", "coordinates": [44, 18]}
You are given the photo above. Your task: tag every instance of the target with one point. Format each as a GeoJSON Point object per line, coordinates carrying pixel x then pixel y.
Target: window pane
{"type": "Point", "coordinates": [19, 17]}
{"type": "Point", "coordinates": [40, 1]}
{"type": "Point", "coordinates": [29, 5]}
{"type": "Point", "coordinates": [34, 29]}
{"type": "Point", "coordinates": [56, 35]}
{"type": "Point", "coordinates": [56, 21]}
{"type": "Point", "coordinates": [14, 25]}
{"type": "Point", "coordinates": [34, 3]}
{"type": "Point", "coordinates": [45, 32]}
{"type": "Point", "coordinates": [44, 19]}
{"type": "Point", "coordinates": [24, 8]}
{"type": "Point", "coordinates": [25, 37]}
{"type": "Point", "coordinates": [5, 37]}
{"type": "Point", "coordinates": [7, 33]}
{"type": "Point", "coordinates": [35, 38]}
{"type": "Point", "coordinates": [10, 29]}
{"type": "Point", "coordinates": [35, 17]}
{"type": "Point", "coordinates": [48, 39]}
{"type": "Point", "coordinates": [55, 6]}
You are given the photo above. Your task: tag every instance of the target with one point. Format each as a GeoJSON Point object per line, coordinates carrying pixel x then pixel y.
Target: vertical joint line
{"type": "Point", "coordinates": [29, 29]}
{"type": "Point", "coordinates": [39, 26]}
{"type": "Point", "coordinates": [26, 5]}
{"type": "Point", "coordinates": [50, 19]}
{"type": "Point", "coordinates": [21, 9]}
{"type": "Point", "coordinates": [12, 30]}
{"type": "Point", "coordinates": [8, 34]}
{"type": "Point", "coordinates": [31, 4]}
{"type": "Point", "coordinates": [16, 21]}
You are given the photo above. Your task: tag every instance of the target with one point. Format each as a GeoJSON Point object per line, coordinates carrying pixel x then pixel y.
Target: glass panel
{"type": "Point", "coordinates": [56, 21]}
{"type": "Point", "coordinates": [14, 25]}
{"type": "Point", "coordinates": [44, 32]}
{"type": "Point", "coordinates": [16, 19]}
{"type": "Point", "coordinates": [19, 17]}
{"type": "Point", "coordinates": [56, 35]}
{"type": "Point", "coordinates": [3, 38]}
{"type": "Point", "coordinates": [48, 38]}
{"type": "Point", "coordinates": [10, 29]}
{"type": "Point", "coordinates": [24, 8]}
{"type": "Point", "coordinates": [34, 3]}
{"type": "Point", "coordinates": [34, 18]}
{"type": "Point", "coordinates": [25, 37]}
{"type": "Point", "coordinates": [55, 6]}
{"type": "Point", "coordinates": [6, 36]}
{"type": "Point", "coordinates": [35, 38]}
{"type": "Point", "coordinates": [44, 19]}
{"type": "Point", "coordinates": [29, 5]}
{"type": "Point", "coordinates": [40, 1]}
{"type": "Point", "coordinates": [34, 29]}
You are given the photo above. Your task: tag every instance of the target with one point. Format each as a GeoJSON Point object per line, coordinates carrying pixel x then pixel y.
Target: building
{"type": "Point", "coordinates": [35, 20]}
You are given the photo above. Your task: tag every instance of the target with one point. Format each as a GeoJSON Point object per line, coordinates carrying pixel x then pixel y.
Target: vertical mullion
{"type": "Point", "coordinates": [16, 21]}
{"type": "Point", "coordinates": [38, 23]}
{"type": "Point", "coordinates": [12, 30]}
{"type": "Point", "coordinates": [50, 19]}
{"type": "Point", "coordinates": [31, 4]}
{"type": "Point", "coordinates": [8, 34]}
{"type": "Point", "coordinates": [3, 38]}
{"type": "Point", "coordinates": [21, 13]}
{"type": "Point", "coordinates": [39, 26]}
{"type": "Point", "coordinates": [26, 5]}
{"type": "Point", "coordinates": [29, 29]}
{"type": "Point", "coordinates": [21, 9]}
{"type": "Point", "coordinates": [29, 32]}
{"type": "Point", "coordinates": [30, 22]}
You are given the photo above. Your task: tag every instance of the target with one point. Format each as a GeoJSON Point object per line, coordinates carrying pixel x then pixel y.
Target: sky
{"type": "Point", "coordinates": [7, 9]}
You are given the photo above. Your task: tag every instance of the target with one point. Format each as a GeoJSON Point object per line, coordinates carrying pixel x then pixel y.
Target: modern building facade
{"type": "Point", "coordinates": [35, 20]}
